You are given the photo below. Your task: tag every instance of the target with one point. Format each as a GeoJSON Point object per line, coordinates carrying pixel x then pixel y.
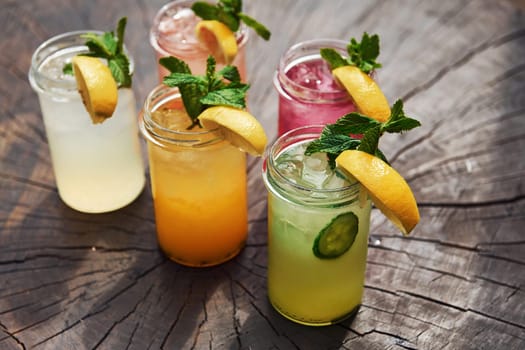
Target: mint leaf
{"type": "Point", "coordinates": [334, 145]}
{"type": "Point", "coordinates": [230, 13]}
{"type": "Point", "coordinates": [230, 19]}
{"type": "Point", "coordinates": [369, 47]}
{"type": "Point", "coordinates": [398, 121]}
{"type": "Point", "coordinates": [177, 79]}
{"type": "Point", "coordinates": [361, 54]}
{"type": "Point", "coordinates": [121, 28]}
{"type": "Point", "coordinates": [230, 73]}
{"type": "Point", "coordinates": [337, 137]}
{"type": "Point", "coordinates": [381, 156]}
{"type": "Point", "coordinates": [97, 46]}
{"type": "Point", "coordinates": [334, 58]}
{"type": "Point", "coordinates": [259, 28]}
{"type": "Point", "coordinates": [354, 123]}
{"type": "Point", "coordinates": [68, 69]}
{"type": "Point", "coordinates": [119, 67]}
{"type": "Point", "coordinates": [199, 92]}
{"type": "Point", "coordinates": [370, 140]}
{"type": "Point", "coordinates": [110, 48]}
{"type": "Point", "coordinates": [205, 10]}
{"type": "Point", "coordinates": [175, 65]}
{"type": "Point", "coordinates": [226, 97]}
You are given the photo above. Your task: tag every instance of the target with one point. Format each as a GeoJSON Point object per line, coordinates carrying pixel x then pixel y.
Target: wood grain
{"type": "Point", "coordinates": [76, 281]}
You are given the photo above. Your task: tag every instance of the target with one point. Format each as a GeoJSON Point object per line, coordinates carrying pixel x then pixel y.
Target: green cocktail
{"type": "Point", "coordinates": [317, 233]}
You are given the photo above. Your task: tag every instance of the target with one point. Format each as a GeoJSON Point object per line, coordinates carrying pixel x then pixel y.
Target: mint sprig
{"type": "Point", "coordinates": [230, 13]}
{"type": "Point", "coordinates": [199, 92]}
{"type": "Point", "coordinates": [361, 54]}
{"type": "Point", "coordinates": [336, 138]}
{"type": "Point", "coordinates": [111, 48]}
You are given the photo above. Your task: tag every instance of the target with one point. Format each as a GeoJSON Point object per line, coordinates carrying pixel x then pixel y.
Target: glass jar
{"type": "Point", "coordinates": [308, 94]}
{"type": "Point", "coordinates": [302, 286]}
{"type": "Point", "coordinates": [97, 167]}
{"type": "Point", "coordinates": [198, 182]}
{"type": "Point", "coordinates": [173, 34]}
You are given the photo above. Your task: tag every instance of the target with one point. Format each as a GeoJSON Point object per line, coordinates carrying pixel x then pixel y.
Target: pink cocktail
{"type": "Point", "coordinates": [173, 34]}
{"type": "Point", "coordinates": [308, 94]}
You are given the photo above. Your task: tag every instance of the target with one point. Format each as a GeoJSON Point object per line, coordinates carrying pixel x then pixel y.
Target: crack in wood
{"type": "Point", "coordinates": [26, 181]}
{"type": "Point", "coordinates": [517, 288]}
{"type": "Point", "coordinates": [234, 311]}
{"type": "Point", "coordinates": [510, 73]}
{"type": "Point", "coordinates": [251, 271]}
{"type": "Point", "coordinates": [202, 322]}
{"type": "Point", "coordinates": [132, 335]}
{"type": "Point", "coordinates": [11, 336]}
{"type": "Point", "coordinates": [462, 61]}
{"type": "Point", "coordinates": [416, 142]}
{"type": "Point", "coordinates": [177, 317]}
{"type": "Point", "coordinates": [119, 321]}
{"type": "Point", "coordinates": [502, 258]}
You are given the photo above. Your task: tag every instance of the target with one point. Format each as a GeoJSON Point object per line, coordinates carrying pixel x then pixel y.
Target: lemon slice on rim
{"type": "Point", "coordinates": [97, 87]}
{"type": "Point", "coordinates": [387, 189]}
{"type": "Point", "coordinates": [237, 126]}
{"type": "Point", "coordinates": [367, 96]}
{"type": "Point", "coordinates": [219, 40]}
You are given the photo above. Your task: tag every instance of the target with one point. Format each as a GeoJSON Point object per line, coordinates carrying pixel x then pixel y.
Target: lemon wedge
{"type": "Point", "coordinates": [237, 126]}
{"type": "Point", "coordinates": [367, 96]}
{"type": "Point", "coordinates": [219, 40]}
{"type": "Point", "coordinates": [387, 189]}
{"type": "Point", "coordinates": [96, 86]}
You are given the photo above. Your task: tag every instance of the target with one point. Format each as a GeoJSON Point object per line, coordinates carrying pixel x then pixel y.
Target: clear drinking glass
{"type": "Point", "coordinates": [173, 34]}
{"type": "Point", "coordinates": [98, 167]}
{"type": "Point", "coordinates": [198, 183]}
{"type": "Point", "coordinates": [304, 196]}
{"type": "Point", "coordinates": [308, 94]}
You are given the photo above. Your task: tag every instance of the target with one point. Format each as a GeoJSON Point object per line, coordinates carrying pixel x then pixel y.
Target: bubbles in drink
{"type": "Point", "coordinates": [311, 171]}
{"type": "Point", "coordinates": [313, 74]}
{"type": "Point", "coordinates": [179, 24]}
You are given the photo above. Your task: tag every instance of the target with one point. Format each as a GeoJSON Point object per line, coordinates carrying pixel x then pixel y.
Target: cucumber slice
{"type": "Point", "coordinates": [336, 237]}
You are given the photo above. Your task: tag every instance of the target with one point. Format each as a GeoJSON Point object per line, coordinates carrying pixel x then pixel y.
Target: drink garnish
{"type": "Point", "coordinates": [110, 48]}
{"type": "Point", "coordinates": [336, 138]}
{"type": "Point", "coordinates": [96, 87]}
{"type": "Point", "coordinates": [219, 40]}
{"type": "Point", "coordinates": [353, 71]}
{"type": "Point", "coordinates": [217, 100]}
{"type": "Point", "coordinates": [230, 13]}
{"type": "Point", "coordinates": [336, 237]}
{"type": "Point", "coordinates": [361, 159]}
{"type": "Point", "coordinates": [97, 82]}
{"type": "Point", "coordinates": [220, 21]}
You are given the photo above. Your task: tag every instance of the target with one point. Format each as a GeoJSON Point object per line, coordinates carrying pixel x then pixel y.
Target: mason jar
{"type": "Point", "coordinates": [173, 34]}
{"type": "Point", "coordinates": [304, 198]}
{"type": "Point", "coordinates": [198, 182]}
{"type": "Point", "coordinates": [97, 167]}
{"type": "Point", "coordinates": [308, 93]}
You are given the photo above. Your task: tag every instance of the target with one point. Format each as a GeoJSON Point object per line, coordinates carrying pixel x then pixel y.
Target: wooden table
{"type": "Point", "coordinates": [77, 281]}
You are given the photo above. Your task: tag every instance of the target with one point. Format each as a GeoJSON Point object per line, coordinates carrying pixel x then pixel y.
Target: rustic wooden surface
{"type": "Point", "coordinates": [76, 281]}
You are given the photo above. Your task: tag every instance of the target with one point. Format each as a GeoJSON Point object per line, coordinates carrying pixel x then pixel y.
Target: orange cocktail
{"type": "Point", "coordinates": [198, 183]}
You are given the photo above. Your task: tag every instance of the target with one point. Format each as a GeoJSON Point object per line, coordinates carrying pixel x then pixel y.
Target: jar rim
{"type": "Point", "coordinates": [289, 138]}
{"type": "Point", "coordinates": [72, 40]}
{"type": "Point", "coordinates": [157, 132]}
{"type": "Point", "coordinates": [305, 49]}
{"type": "Point", "coordinates": [166, 47]}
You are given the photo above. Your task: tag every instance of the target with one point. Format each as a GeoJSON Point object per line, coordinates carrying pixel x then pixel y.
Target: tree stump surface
{"type": "Point", "coordinates": [76, 281]}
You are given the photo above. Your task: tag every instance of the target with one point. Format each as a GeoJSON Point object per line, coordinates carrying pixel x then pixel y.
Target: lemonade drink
{"type": "Point", "coordinates": [198, 183]}
{"type": "Point", "coordinates": [308, 93]}
{"type": "Point", "coordinates": [304, 196]}
{"type": "Point", "coordinates": [97, 167]}
{"type": "Point", "coordinates": [173, 34]}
